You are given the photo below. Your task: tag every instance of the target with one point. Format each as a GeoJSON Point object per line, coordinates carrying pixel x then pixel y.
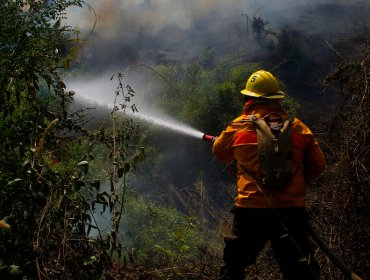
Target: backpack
{"type": "Point", "coordinates": [274, 151]}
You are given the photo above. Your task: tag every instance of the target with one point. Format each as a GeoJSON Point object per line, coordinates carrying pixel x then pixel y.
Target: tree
{"type": "Point", "coordinates": [44, 214]}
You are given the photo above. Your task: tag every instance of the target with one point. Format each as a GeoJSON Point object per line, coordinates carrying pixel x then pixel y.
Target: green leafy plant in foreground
{"type": "Point", "coordinates": [44, 207]}
{"type": "Point", "coordinates": [166, 241]}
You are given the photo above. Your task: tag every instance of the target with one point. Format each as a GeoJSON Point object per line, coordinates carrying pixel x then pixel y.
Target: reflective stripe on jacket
{"type": "Point", "coordinates": [239, 142]}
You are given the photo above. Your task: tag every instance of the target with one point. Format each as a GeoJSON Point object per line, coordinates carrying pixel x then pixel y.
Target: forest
{"type": "Point", "coordinates": [89, 189]}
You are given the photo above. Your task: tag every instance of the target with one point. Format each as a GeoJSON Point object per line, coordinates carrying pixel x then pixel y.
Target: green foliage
{"type": "Point", "coordinates": [47, 207]}
{"type": "Point", "coordinates": [203, 96]}
{"type": "Point", "coordinates": [163, 238]}
{"type": "Point", "coordinates": [208, 97]}
{"type": "Point", "coordinates": [207, 56]}
{"type": "Point", "coordinates": [33, 45]}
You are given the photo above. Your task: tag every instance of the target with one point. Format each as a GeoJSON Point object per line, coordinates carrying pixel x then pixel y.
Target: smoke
{"type": "Point", "coordinates": [162, 31]}
{"type": "Point", "coordinates": [153, 31]}
{"type": "Point", "coordinates": [130, 18]}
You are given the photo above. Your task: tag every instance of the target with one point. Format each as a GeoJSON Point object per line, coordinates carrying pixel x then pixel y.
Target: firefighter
{"type": "Point", "coordinates": [260, 216]}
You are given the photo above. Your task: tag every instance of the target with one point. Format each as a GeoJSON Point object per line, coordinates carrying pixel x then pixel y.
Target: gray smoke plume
{"type": "Point", "coordinates": [154, 31]}
{"type": "Point", "coordinates": [162, 31]}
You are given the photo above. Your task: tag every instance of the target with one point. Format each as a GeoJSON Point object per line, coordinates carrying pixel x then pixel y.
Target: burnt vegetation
{"type": "Point", "coordinates": [341, 207]}
{"type": "Point", "coordinates": [102, 199]}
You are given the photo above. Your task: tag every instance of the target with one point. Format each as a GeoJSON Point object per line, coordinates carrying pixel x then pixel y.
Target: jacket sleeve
{"type": "Point", "coordinates": [222, 147]}
{"type": "Point", "coordinates": [313, 161]}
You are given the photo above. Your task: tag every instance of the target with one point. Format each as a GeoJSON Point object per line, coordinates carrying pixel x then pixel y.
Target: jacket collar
{"type": "Point", "coordinates": [254, 106]}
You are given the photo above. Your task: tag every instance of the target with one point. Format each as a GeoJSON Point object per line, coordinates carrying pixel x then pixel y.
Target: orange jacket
{"type": "Point", "coordinates": [239, 142]}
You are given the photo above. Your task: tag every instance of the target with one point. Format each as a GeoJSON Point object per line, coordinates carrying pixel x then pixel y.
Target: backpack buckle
{"type": "Point", "coordinates": [277, 173]}
{"type": "Point", "coordinates": [275, 127]}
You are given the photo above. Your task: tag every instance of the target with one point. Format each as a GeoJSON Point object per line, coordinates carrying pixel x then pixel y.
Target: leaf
{"type": "Point", "coordinates": [90, 261]}
{"type": "Point", "coordinates": [61, 83]}
{"type": "Point", "coordinates": [49, 80]}
{"type": "Point", "coordinates": [110, 206]}
{"type": "Point", "coordinates": [111, 185]}
{"type": "Point", "coordinates": [95, 183]}
{"type": "Point", "coordinates": [184, 248]}
{"type": "Point", "coordinates": [126, 167]}
{"type": "Point", "coordinates": [158, 247]}
{"type": "Point", "coordinates": [79, 183]}
{"type": "Point", "coordinates": [120, 172]}
{"type": "Point", "coordinates": [14, 270]}
{"type": "Point", "coordinates": [119, 250]}
{"type": "Point", "coordinates": [89, 228]}
{"type": "Point", "coordinates": [85, 165]}
{"type": "Point", "coordinates": [83, 158]}
{"type": "Point", "coordinates": [165, 251]}
{"type": "Point", "coordinates": [16, 180]}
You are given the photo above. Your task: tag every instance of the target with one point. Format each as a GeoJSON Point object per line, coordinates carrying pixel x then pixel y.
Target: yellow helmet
{"type": "Point", "coordinates": [263, 84]}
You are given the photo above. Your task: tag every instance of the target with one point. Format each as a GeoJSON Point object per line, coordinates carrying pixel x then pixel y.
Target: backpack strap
{"type": "Point", "coordinates": [250, 119]}
{"type": "Point", "coordinates": [270, 130]}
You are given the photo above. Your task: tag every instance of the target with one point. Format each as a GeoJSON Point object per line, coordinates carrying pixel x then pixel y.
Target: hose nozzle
{"type": "Point", "coordinates": [209, 138]}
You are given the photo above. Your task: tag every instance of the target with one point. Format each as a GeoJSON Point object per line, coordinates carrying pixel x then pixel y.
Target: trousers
{"type": "Point", "coordinates": [285, 228]}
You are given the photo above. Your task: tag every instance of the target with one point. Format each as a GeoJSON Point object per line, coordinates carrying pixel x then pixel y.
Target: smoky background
{"type": "Point", "coordinates": [118, 34]}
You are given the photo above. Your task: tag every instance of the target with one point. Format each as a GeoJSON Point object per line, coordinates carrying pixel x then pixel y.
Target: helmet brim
{"type": "Point", "coordinates": [276, 95]}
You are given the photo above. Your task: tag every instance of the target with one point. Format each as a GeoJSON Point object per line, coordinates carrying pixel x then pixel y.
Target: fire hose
{"type": "Point", "coordinates": [209, 138]}
{"type": "Point", "coordinates": [317, 238]}
{"type": "Point", "coordinates": [332, 256]}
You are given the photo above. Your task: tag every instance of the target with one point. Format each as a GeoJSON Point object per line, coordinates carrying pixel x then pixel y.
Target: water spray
{"type": "Point", "coordinates": [173, 125]}
{"type": "Point", "coordinates": [91, 92]}
{"type": "Point", "coordinates": [167, 122]}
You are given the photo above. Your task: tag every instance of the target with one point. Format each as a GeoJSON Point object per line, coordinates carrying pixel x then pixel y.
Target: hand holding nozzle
{"type": "Point", "coordinates": [209, 138]}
